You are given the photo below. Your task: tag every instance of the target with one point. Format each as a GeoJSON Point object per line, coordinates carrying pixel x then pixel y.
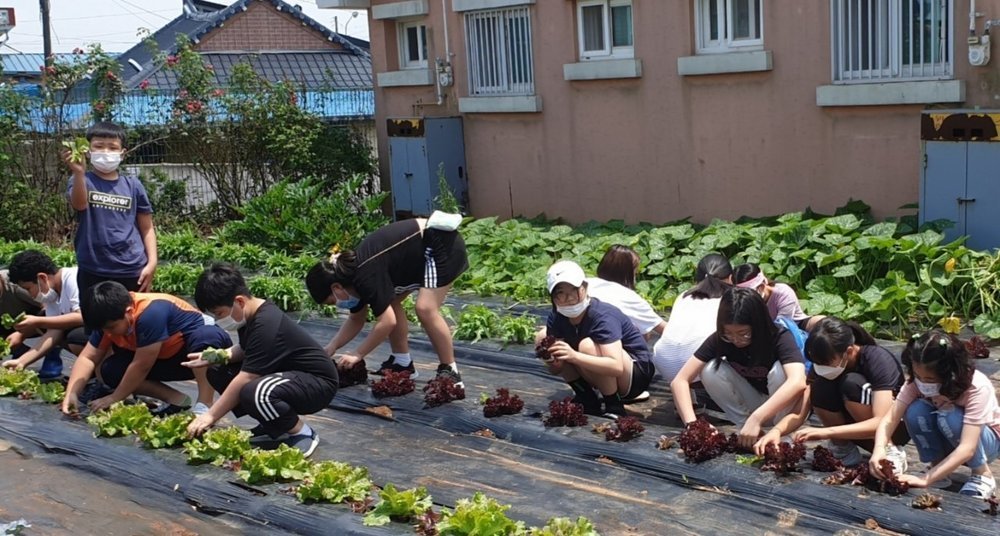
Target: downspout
{"type": "Point", "coordinates": [972, 18]}
{"type": "Point", "coordinates": [443, 66]}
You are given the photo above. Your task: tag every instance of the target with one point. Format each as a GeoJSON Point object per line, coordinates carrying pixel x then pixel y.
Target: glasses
{"type": "Point", "coordinates": [737, 337]}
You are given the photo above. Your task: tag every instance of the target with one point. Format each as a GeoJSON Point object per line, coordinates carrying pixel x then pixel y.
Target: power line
{"type": "Point", "coordinates": [144, 10]}
{"type": "Point", "coordinates": [129, 11]}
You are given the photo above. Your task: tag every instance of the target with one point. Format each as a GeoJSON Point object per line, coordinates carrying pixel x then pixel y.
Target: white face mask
{"type": "Point", "coordinates": [573, 311]}
{"type": "Point", "coordinates": [928, 389]}
{"type": "Point", "coordinates": [830, 373]}
{"type": "Point", "coordinates": [46, 297]}
{"type": "Point", "coordinates": [105, 162]}
{"type": "Point", "coordinates": [231, 324]}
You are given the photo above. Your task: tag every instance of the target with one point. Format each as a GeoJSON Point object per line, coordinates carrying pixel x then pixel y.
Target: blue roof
{"type": "Point", "coordinates": [21, 64]}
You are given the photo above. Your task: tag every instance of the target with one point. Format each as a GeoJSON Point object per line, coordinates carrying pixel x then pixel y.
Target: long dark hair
{"type": "Point", "coordinates": [338, 269]}
{"type": "Point", "coordinates": [744, 306]}
{"type": "Point", "coordinates": [619, 264]}
{"type": "Point", "coordinates": [832, 336]}
{"type": "Point", "coordinates": [946, 356]}
{"type": "Point", "coordinates": [710, 277]}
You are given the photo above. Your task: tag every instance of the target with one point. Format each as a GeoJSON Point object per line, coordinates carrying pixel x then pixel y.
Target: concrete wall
{"type": "Point", "coordinates": [665, 146]}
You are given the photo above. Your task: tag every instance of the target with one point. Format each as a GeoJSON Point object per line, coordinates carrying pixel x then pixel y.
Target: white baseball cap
{"type": "Point", "coordinates": [565, 272]}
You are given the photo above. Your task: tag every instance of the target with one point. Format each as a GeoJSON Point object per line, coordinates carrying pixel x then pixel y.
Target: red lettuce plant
{"type": "Point", "coordinates": [824, 460]}
{"type": "Point", "coordinates": [542, 348]}
{"type": "Point", "coordinates": [701, 442]}
{"type": "Point", "coordinates": [784, 457]}
{"type": "Point", "coordinates": [356, 375]}
{"type": "Point", "coordinates": [565, 413]}
{"type": "Point", "coordinates": [502, 404]}
{"type": "Point", "coordinates": [625, 429]}
{"type": "Point", "coordinates": [441, 391]}
{"type": "Point", "coordinates": [393, 384]}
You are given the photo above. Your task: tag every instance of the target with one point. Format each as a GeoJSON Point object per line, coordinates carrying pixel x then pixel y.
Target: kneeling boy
{"type": "Point", "coordinates": [276, 373]}
{"type": "Point", "coordinates": [139, 341]}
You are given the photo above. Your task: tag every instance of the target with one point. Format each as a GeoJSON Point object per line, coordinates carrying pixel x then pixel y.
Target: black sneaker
{"type": "Point", "coordinates": [306, 443]}
{"type": "Point", "coordinates": [613, 408]}
{"type": "Point", "coordinates": [588, 399]}
{"type": "Point", "coordinates": [390, 364]}
{"type": "Point", "coordinates": [445, 371]}
{"type": "Point", "coordinates": [261, 440]}
{"type": "Point", "coordinates": [93, 390]}
{"type": "Point", "coordinates": [168, 409]}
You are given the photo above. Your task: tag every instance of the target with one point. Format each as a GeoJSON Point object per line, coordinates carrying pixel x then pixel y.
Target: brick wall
{"type": "Point", "coordinates": [262, 27]}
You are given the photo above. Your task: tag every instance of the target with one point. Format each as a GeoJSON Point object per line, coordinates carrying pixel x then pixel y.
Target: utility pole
{"type": "Point", "coordinates": [46, 31]}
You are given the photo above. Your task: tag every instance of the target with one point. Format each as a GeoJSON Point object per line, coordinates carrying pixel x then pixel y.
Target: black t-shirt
{"type": "Point", "coordinates": [604, 324]}
{"type": "Point", "coordinates": [273, 342]}
{"type": "Point", "coordinates": [784, 350]}
{"type": "Point", "coordinates": [882, 370]}
{"type": "Point", "coordinates": [390, 262]}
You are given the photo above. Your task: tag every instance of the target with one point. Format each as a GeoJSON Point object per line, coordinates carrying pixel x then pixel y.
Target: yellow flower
{"type": "Point", "coordinates": [950, 324]}
{"type": "Point", "coordinates": [950, 265]}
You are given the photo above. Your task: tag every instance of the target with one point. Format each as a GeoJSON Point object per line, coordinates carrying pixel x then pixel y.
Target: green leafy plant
{"type": "Point", "coordinates": [517, 329]}
{"type": "Point", "coordinates": [15, 382]}
{"type": "Point", "coordinates": [215, 356]}
{"type": "Point", "coordinates": [8, 322]}
{"type": "Point", "coordinates": [334, 482]}
{"type": "Point", "coordinates": [51, 392]}
{"type": "Point", "coordinates": [78, 148]}
{"type": "Point", "coordinates": [477, 322]}
{"type": "Point", "coordinates": [445, 201]}
{"type": "Point", "coordinates": [563, 526]}
{"type": "Point", "coordinates": [479, 515]}
{"type": "Point", "coordinates": [167, 432]}
{"type": "Point", "coordinates": [178, 279]}
{"type": "Point", "coordinates": [5, 349]}
{"type": "Point", "coordinates": [288, 293]}
{"type": "Point", "coordinates": [398, 505]}
{"type": "Point", "coordinates": [217, 446]}
{"type": "Point", "coordinates": [283, 464]}
{"type": "Point", "coordinates": [749, 459]}
{"type": "Point", "coordinates": [120, 420]}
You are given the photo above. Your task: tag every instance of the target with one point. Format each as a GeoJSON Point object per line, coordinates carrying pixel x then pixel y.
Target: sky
{"type": "Point", "coordinates": [115, 23]}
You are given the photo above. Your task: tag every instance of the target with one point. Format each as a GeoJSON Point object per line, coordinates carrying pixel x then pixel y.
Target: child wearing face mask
{"type": "Point", "coordinates": [951, 412]}
{"type": "Point", "coordinates": [276, 373]}
{"type": "Point", "coordinates": [139, 341]}
{"type": "Point", "coordinates": [851, 388]}
{"type": "Point", "coordinates": [115, 239]}
{"type": "Point", "coordinates": [597, 346]}
{"type": "Point", "coordinates": [61, 326]}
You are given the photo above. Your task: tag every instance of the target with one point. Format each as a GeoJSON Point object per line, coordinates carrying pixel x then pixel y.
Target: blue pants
{"type": "Point", "coordinates": [936, 433]}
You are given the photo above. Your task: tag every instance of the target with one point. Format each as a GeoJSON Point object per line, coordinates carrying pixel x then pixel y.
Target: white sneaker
{"type": "Point", "coordinates": [199, 409]}
{"type": "Point", "coordinates": [979, 486]}
{"type": "Point", "coordinates": [848, 453]}
{"type": "Point", "coordinates": [897, 456]}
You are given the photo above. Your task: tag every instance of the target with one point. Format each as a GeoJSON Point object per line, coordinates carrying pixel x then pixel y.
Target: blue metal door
{"type": "Point", "coordinates": [982, 204]}
{"type": "Point", "coordinates": [410, 179]}
{"type": "Point", "coordinates": [944, 185]}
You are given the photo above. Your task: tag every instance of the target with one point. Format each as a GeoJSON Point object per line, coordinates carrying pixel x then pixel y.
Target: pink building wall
{"type": "Point", "coordinates": [665, 146]}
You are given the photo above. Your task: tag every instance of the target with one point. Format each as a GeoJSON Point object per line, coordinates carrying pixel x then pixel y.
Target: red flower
{"type": "Point", "coordinates": [193, 107]}
{"type": "Point", "coordinates": [218, 93]}
{"type": "Point", "coordinates": [99, 106]}
{"type": "Point", "coordinates": [144, 85]}
{"type": "Point", "coordinates": [50, 70]}
{"type": "Point", "coordinates": [172, 60]}
{"type": "Point", "coordinates": [293, 99]}
{"type": "Point", "coordinates": [111, 76]}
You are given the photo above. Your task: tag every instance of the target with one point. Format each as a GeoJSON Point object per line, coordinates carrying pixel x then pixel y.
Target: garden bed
{"type": "Point", "coordinates": [624, 488]}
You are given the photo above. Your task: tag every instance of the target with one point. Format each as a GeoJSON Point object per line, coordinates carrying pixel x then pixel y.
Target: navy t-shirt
{"type": "Point", "coordinates": [604, 324]}
{"type": "Point", "coordinates": [108, 242]}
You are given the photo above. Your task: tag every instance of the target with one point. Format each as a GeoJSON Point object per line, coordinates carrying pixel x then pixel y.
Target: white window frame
{"type": "Point", "coordinates": [501, 74]}
{"type": "Point", "coordinates": [886, 33]}
{"type": "Point", "coordinates": [609, 51]}
{"type": "Point", "coordinates": [724, 27]}
{"type": "Point", "coordinates": [404, 44]}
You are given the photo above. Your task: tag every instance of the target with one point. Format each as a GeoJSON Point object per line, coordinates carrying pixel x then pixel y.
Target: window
{"type": "Point", "coordinates": [729, 25]}
{"type": "Point", "coordinates": [605, 28]}
{"type": "Point", "coordinates": [412, 45]}
{"type": "Point", "coordinates": [498, 43]}
{"type": "Point", "coordinates": [885, 40]}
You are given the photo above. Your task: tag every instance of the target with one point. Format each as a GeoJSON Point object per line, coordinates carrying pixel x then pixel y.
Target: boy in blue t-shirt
{"type": "Point", "coordinates": [115, 240]}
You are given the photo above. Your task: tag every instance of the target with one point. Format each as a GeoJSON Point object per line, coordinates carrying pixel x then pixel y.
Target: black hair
{"type": "Point", "coordinates": [103, 303]}
{"type": "Point", "coordinates": [744, 306]}
{"type": "Point", "coordinates": [325, 273]}
{"type": "Point", "coordinates": [832, 336]}
{"type": "Point", "coordinates": [26, 265]}
{"type": "Point", "coordinates": [219, 285]}
{"type": "Point", "coordinates": [946, 356]}
{"type": "Point", "coordinates": [745, 272]}
{"type": "Point", "coordinates": [619, 265]}
{"type": "Point", "coordinates": [106, 129]}
{"type": "Point", "coordinates": [710, 277]}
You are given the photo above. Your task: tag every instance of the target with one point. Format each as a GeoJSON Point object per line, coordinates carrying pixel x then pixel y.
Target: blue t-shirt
{"type": "Point", "coordinates": [108, 242]}
{"type": "Point", "coordinates": [158, 319]}
{"type": "Point", "coordinates": [604, 324]}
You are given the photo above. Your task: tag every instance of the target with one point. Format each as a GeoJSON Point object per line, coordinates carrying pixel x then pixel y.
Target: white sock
{"type": "Point", "coordinates": [453, 366]}
{"type": "Point", "coordinates": [403, 360]}
{"type": "Point", "coordinates": [306, 430]}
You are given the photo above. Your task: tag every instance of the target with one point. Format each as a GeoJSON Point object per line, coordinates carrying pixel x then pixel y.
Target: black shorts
{"type": "Point", "coordinates": [445, 258]}
{"type": "Point", "coordinates": [169, 369]}
{"type": "Point", "coordinates": [642, 376]}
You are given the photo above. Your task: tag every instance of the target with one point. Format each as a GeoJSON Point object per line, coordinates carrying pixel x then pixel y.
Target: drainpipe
{"type": "Point", "coordinates": [443, 66]}
{"type": "Point", "coordinates": [972, 18]}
